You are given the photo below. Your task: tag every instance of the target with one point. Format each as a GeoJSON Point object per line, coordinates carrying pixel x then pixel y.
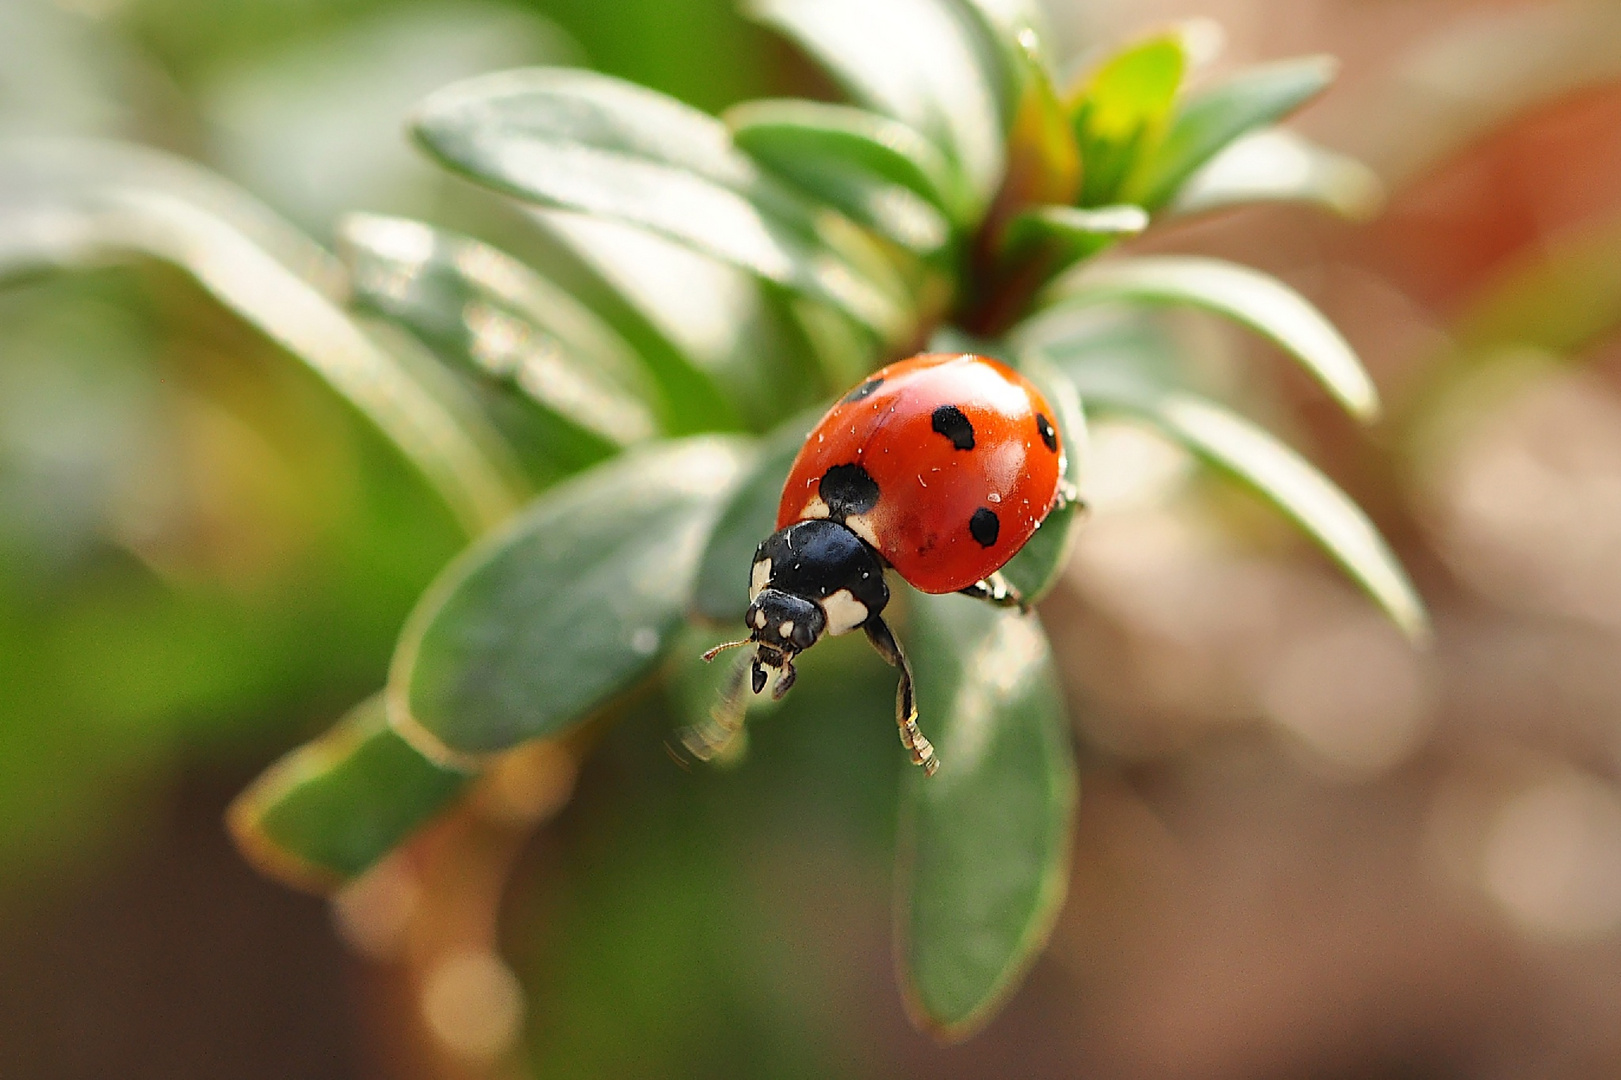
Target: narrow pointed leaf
{"type": "Point", "coordinates": [1212, 118]}
{"type": "Point", "coordinates": [72, 204]}
{"type": "Point", "coordinates": [1038, 565]}
{"type": "Point", "coordinates": [1276, 165]}
{"type": "Point", "coordinates": [777, 132]}
{"type": "Point", "coordinates": [330, 809]}
{"type": "Point", "coordinates": [580, 141]}
{"type": "Point", "coordinates": [567, 606]}
{"type": "Point", "coordinates": [1065, 234]}
{"type": "Point", "coordinates": [844, 170]}
{"type": "Point", "coordinates": [722, 592]}
{"type": "Point", "coordinates": [533, 348]}
{"type": "Point", "coordinates": [1256, 300]}
{"type": "Point", "coordinates": [983, 859]}
{"type": "Point", "coordinates": [727, 344]}
{"type": "Point", "coordinates": [1281, 476]}
{"type": "Point", "coordinates": [894, 212]}
{"type": "Point", "coordinates": [924, 62]}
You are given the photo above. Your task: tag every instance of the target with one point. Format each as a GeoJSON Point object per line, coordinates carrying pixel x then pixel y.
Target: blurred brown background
{"type": "Point", "coordinates": [1304, 850]}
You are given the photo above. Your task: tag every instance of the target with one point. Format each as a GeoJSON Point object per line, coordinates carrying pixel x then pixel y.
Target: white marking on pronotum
{"type": "Point", "coordinates": [759, 578]}
{"type": "Point", "coordinates": [759, 619]}
{"type": "Point", "coordinates": [844, 612]}
{"type": "Point", "coordinates": [816, 508]}
{"type": "Point", "coordinates": [861, 525]}
{"type": "Point", "coordinates": [786, 629]}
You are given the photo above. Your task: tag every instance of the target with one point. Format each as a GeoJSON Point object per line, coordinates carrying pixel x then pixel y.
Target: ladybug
{"type": "Point", "coordinates": [939, 467]}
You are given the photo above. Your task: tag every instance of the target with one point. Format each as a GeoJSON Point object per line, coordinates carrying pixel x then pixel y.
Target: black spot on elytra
{"type": "Point", "coordinates": [848, 489]}
{"type": "Point", "coordinates": [950, 422]}
{"type": "Point", "coordinates": [1048, 435]}
{"type": "Point", "coordinates": [864, 390]}
{"type": "Point", "coordinates": [985, 526]}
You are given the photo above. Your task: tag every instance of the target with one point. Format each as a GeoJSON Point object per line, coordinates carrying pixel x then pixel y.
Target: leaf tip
{"type": "Point", "coordinates": [244, 822]}
{"type": "Point", "coordinates": [1412, 618]}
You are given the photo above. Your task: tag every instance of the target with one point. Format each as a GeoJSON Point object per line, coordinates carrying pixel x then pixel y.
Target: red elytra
{"type": "Point", "coordinates": [966, 459]}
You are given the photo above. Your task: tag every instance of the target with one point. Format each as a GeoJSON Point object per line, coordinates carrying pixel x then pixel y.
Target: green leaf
{"type": "Point", "coordinates": [983, 858]}
{"type": "Point", "coordinates": [1246, 296]}
{"type": "Point", "coordinates": [1254, 456]}
{"type": "Point", "coordinates": [1275, 165]}
{"type": "Point", "coordinates": [926, 63]}
{"type": "Point", "coordinates": [1065, 234]}
{"type": "Point", "coordinates": [75, 204]}
{"type": "Point", "coordinates": [1038, 565]}
{"type": "Point", "coordinates": [1210, 119]}
{"type": "Point", "coordinates": [700, 318]}
{"type": "Point", "coordinates": [500, 322]}
{"type": "Point", "coordinates": [567, 606]}
{"type": "Point", "coordinates": [581, 141]}
{"type": "Point", "coordinates": [333, 807]}
{"type": "Point", "coordinates": [856, 160]}
{"type": "Point", "coordinates": [1122, 111]}
{"type": "Point", "coordinates": [722, 592]}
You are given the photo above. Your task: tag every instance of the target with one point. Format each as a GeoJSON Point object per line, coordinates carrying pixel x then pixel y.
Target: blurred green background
{"type": "Point", "coordinates": [1304, 850]}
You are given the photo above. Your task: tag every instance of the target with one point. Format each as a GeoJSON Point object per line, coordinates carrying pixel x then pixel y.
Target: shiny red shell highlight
{"type": "Point", "coordinates": [965, 455]}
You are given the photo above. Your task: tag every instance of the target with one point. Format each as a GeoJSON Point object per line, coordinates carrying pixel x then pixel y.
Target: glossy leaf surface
{"type": "Point", "coordinates": [1210, 119]}
{"type": "Point", "coordinates": [333, 807]}
{"type": "Point", "coordinates": [569, 605]}
{"type": "Point", "coordinates": [722, 342]}
{"type": "Point", "coordinates": [782, 133]}
{"type": "Point", "coordinates": [495, 319]}
{"type": "Point", "coordinates": [1249, 297]}
{"type": "Point", "coordinates": [72, 204]}
{"type": "Point", "coordinates": [587, 142]}
{"type": "Point", "coordinates": [928, 63]}
{"type": "Point", "coordinates": [983, 860]}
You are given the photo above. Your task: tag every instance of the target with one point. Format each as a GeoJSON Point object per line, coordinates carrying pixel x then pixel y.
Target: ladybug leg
{"type": "Point", "coordinates": [709, 739]}
{"type": "Point", "coordinates": [996, 590]}
{"type": "Point", "coordinates": [921, 749]}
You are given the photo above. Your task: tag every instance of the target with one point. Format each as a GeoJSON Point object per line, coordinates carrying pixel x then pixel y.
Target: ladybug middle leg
{"type": "Point", "coordinates": [995, 589]}
{"type": "Point", "coordinates": [921, 749]}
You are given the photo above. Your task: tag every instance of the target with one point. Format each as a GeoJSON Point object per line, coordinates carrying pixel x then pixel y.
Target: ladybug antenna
{"type": "Point", "coordinates": [718, 649]}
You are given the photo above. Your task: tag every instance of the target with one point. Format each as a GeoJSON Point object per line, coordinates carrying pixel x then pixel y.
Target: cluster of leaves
{"type": "Point", "coordinates": [700, 281]}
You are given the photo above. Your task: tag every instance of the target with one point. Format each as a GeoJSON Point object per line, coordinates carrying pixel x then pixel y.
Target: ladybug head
{"type": "Point", "coordinates": [812, 578]}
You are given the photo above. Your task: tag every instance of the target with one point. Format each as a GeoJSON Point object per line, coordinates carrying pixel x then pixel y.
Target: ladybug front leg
{"type": "Point", "coordinates": [717, 733]}
{"type": "Point", "coordinates": [994, 589]}
{"type": "Point", "coordinates": [921, 749]}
